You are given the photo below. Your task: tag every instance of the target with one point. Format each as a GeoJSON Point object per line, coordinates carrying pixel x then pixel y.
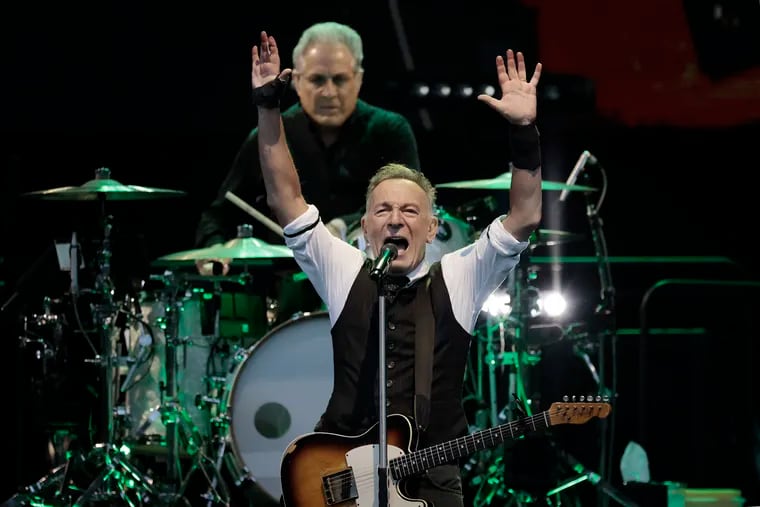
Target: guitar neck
{"type": "Point", "coordinates": [449, 452]}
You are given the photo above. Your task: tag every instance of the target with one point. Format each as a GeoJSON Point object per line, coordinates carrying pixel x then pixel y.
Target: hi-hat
{"type": "Point", "coordinates": [504, 182]}
{"type": "Point", "coordinates": [235, 249]}
{"type": "Point", "coordinates": [103, 187]}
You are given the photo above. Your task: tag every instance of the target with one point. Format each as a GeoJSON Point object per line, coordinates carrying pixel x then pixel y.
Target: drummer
{"type": "Point", "coordinates": [337, 140]}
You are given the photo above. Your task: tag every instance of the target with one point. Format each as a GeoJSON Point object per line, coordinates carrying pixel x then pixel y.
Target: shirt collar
{"type": "Point", "coordinates": [418, 272]}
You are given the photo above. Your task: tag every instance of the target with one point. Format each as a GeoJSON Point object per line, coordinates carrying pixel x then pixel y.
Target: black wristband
{"type": "Point", "coordinates": [525, 145]}
{"type": "Point", "coordinates": [268, 95]}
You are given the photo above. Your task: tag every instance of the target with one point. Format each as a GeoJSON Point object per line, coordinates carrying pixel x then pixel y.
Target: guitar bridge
{"type": "Point", "coordinates": [339, 487]}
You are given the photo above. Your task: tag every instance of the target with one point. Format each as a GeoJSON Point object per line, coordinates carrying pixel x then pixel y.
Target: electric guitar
{"type": "Point", "coordinates": [324, 469]}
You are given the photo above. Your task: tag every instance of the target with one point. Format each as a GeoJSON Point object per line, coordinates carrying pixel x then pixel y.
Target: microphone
{"type": "Point", "coordinates": [144, 347]}
{"type": "Point", "coordinates": [585, 158]}
{"type": "Point", "coordinates": [74, 264]}
{"type": "Point", "coordinates": [388, 252]}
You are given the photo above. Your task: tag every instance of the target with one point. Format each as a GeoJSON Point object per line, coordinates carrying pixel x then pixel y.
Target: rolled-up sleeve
{"type": "Point", "coordinates": [473, 272]}
{"type": "Point", "coordinates": [330, 263]}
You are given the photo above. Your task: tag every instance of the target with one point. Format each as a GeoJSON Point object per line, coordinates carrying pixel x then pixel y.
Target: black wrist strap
{"type": "Point", "coordinates": [268, 95]}
{"type": "Point", "coordinates": [525, 145]}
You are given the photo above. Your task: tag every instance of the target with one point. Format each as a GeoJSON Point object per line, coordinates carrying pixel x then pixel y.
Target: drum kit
{"type": "Point", "coordinates": [190, 391]}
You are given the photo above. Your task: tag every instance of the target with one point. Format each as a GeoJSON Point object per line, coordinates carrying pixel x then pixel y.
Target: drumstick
{"type": "Point", "coordinates": [254, 213]}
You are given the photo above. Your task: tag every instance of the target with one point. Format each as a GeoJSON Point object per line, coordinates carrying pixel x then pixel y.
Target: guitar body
{"type": "Point", "coordinates": [324, 469]}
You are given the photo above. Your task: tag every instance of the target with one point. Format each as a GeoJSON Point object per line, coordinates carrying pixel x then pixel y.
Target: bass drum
{"type": "Point", "coordinates": [453, 233]}
{"type": "Point", "coordinates": [278, 390]}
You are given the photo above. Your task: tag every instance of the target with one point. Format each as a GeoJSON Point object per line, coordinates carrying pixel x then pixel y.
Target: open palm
{"type": "Point", "coordinates": [518, 94]}
{"type": "Point", "coordinates": [266, 61]}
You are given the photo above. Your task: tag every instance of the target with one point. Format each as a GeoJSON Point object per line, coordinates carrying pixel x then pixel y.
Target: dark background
{"type": "Point", "coordinates": [666, 95]}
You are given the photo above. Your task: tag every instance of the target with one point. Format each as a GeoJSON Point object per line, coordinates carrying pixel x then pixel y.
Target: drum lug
{"type": "Point", "coordinates": [203, 402]}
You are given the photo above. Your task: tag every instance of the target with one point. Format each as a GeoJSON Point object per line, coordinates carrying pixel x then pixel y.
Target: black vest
{"type": "Point", "coordinates": [352, 408]}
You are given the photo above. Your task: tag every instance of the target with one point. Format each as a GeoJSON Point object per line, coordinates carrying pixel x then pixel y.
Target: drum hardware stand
{"type": "Point", "coordinates": [515, 326]}
{"type": "Point", "coordinates": [521, 305]}
{"type": "Point", "coordinates": [172, 413]}
{"type": "Point", "coordinates": [218, 492]}
{"type": "Point", "coordinates": [130, 484]}
{"type": "Point", "coordinates": [605, 488]}
{"type": "Point", "coordinates": [220, 425]}
{"type": "Point", "coordinates": [181, 431]}
{"type": "Point", "coordinates": [116, 477]}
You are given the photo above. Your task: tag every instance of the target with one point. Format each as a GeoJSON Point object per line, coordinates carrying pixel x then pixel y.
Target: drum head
{"type": "Point", "coordinates": [279, 392]}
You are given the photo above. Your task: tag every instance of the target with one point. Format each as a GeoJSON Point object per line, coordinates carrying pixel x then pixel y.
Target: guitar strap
{"type": "Point", "coordinates": [423, 354]}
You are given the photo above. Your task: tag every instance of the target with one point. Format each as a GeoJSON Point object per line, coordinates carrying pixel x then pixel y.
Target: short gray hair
{"type": "Point", "coordinates": [331, 32]}
{"type": "Point", "coordinates": [395, 171]}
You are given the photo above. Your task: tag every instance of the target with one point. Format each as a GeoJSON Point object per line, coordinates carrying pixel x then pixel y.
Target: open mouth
{"type": "Point", "coordinates": [401, 243]}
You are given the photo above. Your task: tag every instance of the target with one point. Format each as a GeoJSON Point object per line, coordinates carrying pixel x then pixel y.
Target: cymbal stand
{"type": "Point", "coordinates": [103, 314]}
{"type": "Point", "coordinates": [118, 478]}
{"type": "Point", "coordinates": [105, 467]}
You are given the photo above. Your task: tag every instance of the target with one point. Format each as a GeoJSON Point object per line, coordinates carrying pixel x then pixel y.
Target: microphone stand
{"type": "Point", "coordinates": [605, 309]}
{"type": "Point", "coordinates": [382, 454]}
{"type": "Point", "coordinates": [377, 273]}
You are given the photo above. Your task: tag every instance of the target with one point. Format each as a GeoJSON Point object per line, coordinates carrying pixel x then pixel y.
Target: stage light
{"type": "Point", "coordinates": [552, 303]}
{"type": "Point", "coordinates": [465, 91]}
{"type": "Point", "coordinates": [487, 89]}
{"type": "Point", "coordinates": [442, 90]}
{"type": "Point", "coordinates": [420, 90]}
{"type": "Point", "coordinates": [498, 304]}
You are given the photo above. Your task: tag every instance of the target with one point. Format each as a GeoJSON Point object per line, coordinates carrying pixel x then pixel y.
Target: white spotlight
{"type": "Point", "coordinates": [465, 91]}
{"type": "Point", "coordinates": [553, 303]}
{"type": "Point", "coordinates": [442, 90]}
{"type": "Point", "coordinates": [488, 90]}
{"type": "Point", "coordinates": [498, 305]}
{"type": "Point", "coordinates": [420, 90]}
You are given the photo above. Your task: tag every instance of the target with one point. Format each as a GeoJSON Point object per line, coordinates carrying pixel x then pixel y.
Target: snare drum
{"type": "Point", "coordinates": [453, 233]}
{"type": "Point", "coordinates": [279, 389]}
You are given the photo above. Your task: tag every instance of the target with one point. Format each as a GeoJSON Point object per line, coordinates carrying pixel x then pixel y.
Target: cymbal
{"type": "Point", "coordinates": [103, 187]}
{"type": "Point", "coordinates": [553, 237]}
{"type": "Point", "coordinates": [504, 182]}
{"type": "Point", "coordinates": [247, 248]}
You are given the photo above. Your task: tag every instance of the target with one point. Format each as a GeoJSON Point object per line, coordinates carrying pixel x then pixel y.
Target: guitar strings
{"type": "Point", "coordinates": [367, 475]}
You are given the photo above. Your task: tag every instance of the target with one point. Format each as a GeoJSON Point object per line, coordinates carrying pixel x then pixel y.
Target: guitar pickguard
{"type": "Point", "coordinates": [363, 462]}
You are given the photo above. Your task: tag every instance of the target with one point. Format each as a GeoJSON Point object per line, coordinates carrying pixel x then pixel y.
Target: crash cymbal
{"type": "Point", "coordinates": [235, 249]}
{"type": "Point", "coordinates": [553, 237]}
{"type": "Point", "coordinates": [504, 182]}
{"type": "Point", "coordinates": [103, 187]}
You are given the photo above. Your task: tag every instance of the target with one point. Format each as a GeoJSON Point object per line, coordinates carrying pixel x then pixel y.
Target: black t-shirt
{"type": "Point", "coordinates": [333, 178]}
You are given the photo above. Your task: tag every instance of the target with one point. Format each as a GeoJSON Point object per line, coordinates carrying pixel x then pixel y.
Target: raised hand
{"type": "Point", "coordinates": [266, 61]}
{"type": "Point", "coordinates": [518, 95]}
